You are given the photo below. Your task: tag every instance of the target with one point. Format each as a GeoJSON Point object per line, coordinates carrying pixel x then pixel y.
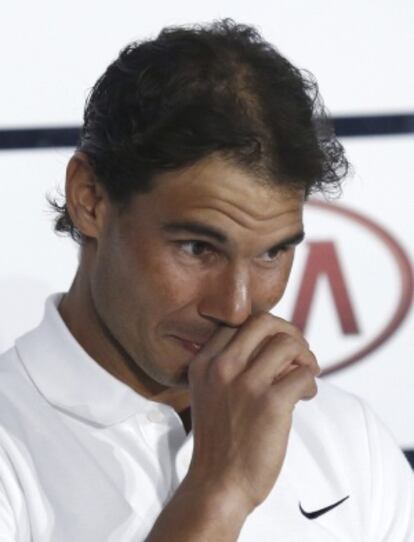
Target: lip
{"type": "Point", "coordinates": [192, 346]}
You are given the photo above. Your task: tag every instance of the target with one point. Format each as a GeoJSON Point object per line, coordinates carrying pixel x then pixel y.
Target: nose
{"type": "Point", "coordinates": [226, 298]}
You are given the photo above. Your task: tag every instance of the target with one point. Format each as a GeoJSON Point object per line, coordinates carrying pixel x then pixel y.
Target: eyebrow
{"type": "Point", "coordinates": [198, 228]}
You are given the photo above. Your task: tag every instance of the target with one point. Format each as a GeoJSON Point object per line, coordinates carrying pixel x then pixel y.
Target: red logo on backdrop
{"type": "Point", "coordinates": [323, 261]}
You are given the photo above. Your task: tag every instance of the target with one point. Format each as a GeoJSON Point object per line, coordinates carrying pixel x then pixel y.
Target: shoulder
{"type": "Point", "coordinates": [332, 406]}
{"type": "Point", "coordinates": [12, 375]}
{"type": "Point", "coordinates": [344, 429]}
{"type": "Point", "coordinates": [12, 369]}
{"type": "Point", "coordinates": [334, 396]}
{"type": "Point", "coordinates": [344, 412]}
{"type": "Point", "coordinates": [20, 400]}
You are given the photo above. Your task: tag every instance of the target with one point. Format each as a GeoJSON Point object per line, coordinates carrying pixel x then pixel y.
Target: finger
{"type": "Point", "coordinates": [313, 366]}
{"type": "Point", "coordinates": [221, 338]}
{"type": "Point", "coordinates": [233, 348]}
{"type": "Point", "coordinates": [298, 385]}
{"type": "Point", "coordinates": [281, 354]}
{"type": "Point", "coordinates": [212, 348]}
{"type": "Point", "coordinates": [251, 338]}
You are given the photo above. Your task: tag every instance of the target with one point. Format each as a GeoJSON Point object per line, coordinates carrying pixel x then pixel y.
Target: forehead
{"type": "Point", "coordinates": [221, 194]}
{"type": "Point", "coordinates": [224, 188]}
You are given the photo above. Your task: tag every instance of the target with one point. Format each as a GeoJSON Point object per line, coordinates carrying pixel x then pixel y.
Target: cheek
{"type": "Point", "coordinates": [273, 286]}
{"type": "Point", "coordinates": [163, 283]}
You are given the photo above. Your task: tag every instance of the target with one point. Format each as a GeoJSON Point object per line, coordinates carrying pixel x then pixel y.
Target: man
{"type": "Point", "coordinates": [159, 399]}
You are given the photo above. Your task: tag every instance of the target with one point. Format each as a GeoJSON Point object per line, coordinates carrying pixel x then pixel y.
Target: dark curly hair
{"type": "Point", "coordinates": [166, 103]}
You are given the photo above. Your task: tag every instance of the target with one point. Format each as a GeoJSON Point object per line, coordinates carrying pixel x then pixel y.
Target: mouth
{"type": "Point", "coordinates": [191, 346]}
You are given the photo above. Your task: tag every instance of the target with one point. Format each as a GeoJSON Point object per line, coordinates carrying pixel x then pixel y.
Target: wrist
{"type": "Point", "coordinates": [196, 513]}
{"type": "Point", "coordinates": [215, 501]}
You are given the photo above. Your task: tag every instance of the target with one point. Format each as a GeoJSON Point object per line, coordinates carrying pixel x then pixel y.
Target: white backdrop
{"type": "Point", "coordinates": [361, 54]}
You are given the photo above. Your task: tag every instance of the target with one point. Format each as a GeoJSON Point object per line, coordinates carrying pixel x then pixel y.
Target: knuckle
{"type": "Point", "coordinates": [285, 340]}
{"type": "Point", "coordinates": [268, 318]}
{"type": "Point", "coordinates": [232, 353]}
{"type": "Point", "coordinates": [315, 367]}
{"type": "Point", "coordinates": [298, 336]}
{"type": "Point", "coordinates": [309, 387]}
{"type": "Point", "coordinates": [286, 326]}
{"type": "Point", "coordinates": [220, 370]}
{"type": "Point", "coordinates": [278, 326]}
{"type": "Point", "coordinates": [296, 332]}
{"type": "Point", "coordinates": [292, 330]}
{"type": "Point", "coordinates": [298, 385]}
{"type": "Point", "coordinates": [265, 319]}
{"type": "Point", "coordinates": [261, 318]}
{"type": "Point", "coordinates": [248, 386]}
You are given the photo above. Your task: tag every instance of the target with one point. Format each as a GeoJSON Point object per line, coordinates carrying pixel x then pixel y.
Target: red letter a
{"type": "Point", "coordinates": [323, 260]}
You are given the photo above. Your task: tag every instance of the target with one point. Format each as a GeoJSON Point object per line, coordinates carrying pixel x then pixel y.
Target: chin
{"type": "Point", "coordinates": [173, 369]}
{"type": "Point", "coordinates": [178, 379]}
{"type": "Point", "coordinates": [165, 374]}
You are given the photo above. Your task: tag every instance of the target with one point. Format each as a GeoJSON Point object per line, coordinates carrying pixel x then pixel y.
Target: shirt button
{"type": "Point", "coordinates": [155, 416]}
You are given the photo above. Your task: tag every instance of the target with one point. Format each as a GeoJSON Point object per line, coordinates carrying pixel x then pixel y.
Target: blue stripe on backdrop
{"type": "Point", "coordinates": [350, 126]}
{"type": "Point", "coordinates": [373, 125]}
{"type": "Point", "coordinates": [409, 454]}
{"type": "Point", "coordinates": [38, 138]}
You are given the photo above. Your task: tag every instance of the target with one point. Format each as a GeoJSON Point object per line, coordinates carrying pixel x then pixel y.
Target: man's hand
{"type": "Point", "coordinates": [244, 385]}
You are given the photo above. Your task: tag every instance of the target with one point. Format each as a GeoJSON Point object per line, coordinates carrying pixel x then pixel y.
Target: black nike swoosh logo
{"type": "Point", "coordinates": [317, 513]}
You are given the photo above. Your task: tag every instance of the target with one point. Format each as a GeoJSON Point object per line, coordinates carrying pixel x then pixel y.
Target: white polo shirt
{"type": "Point", "coordinates": [83, 458]}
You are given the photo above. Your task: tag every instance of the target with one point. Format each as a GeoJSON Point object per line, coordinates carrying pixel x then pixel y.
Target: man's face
{"type": "Point", "coordinates": [206, 247]}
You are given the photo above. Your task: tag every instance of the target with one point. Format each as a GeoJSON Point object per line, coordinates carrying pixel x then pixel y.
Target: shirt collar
{"type": "Point", "coordinates": [70, 379]}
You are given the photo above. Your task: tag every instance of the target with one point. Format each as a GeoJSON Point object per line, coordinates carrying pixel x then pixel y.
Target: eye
{"type": "Point", "coordinates": [274, 253]}
{"type": "Point", "coordinates": [196, 248]}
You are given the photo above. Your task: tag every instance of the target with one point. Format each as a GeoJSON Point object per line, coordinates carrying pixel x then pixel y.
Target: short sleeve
{"type": "Point", "coordinates": [392, 485]}
{"type": "Point", "coordinates": [7, 520]}
{"type": "Point", "coordinates": [13, 523]}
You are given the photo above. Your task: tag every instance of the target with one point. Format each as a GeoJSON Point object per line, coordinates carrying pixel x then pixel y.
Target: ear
{"type": "Point", "coordinates": [86, 199]}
